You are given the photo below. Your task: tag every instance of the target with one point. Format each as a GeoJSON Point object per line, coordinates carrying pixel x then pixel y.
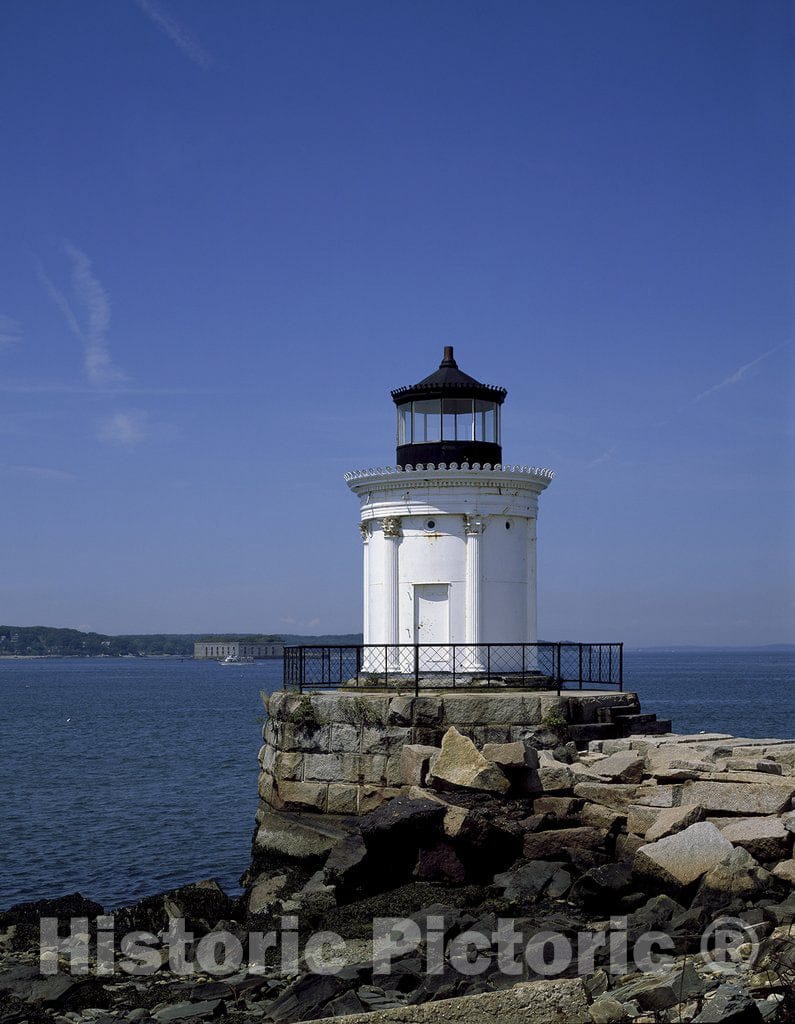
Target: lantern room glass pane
{"type": "Point", "coordinates": [465, 424]}
{"type": "Point", "coordinates": [490, 431]}
{"type": "Point", "coordinates": [485, 421]}
{"type": "Point", "coordinates": [427, 421]}
{"type": "Point", "coordinates": [457, 419]}
{"type": "Point", "coordinates": [404, 423]}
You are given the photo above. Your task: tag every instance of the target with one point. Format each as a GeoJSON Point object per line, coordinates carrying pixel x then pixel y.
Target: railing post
{"type": "Point", "coordinates": [524, 663]}
{"type": "Point", "coordinates": [580, 665]}
{"type": "Point", "coordinates": [416, 670]}
{"type": "Point", "coordinates": [488, 664]}
{"type": "Point", "coordinates": [559, 674]}
{"type": "Point", "coordinates": [386, 666]}
{"type": "Point", "coordinates": [453, 666]}
{"type": "Point", "coordinates": [621, 666]}
{"type": "Point", "coordinates": [358, 662]}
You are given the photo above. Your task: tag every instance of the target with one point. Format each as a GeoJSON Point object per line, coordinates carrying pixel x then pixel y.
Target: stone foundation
{"type": "Point", "coordinates": [339, 752]}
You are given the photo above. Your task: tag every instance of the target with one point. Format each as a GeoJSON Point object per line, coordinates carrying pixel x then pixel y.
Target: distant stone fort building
{"type": "Point", "coordinates": [220, 648]}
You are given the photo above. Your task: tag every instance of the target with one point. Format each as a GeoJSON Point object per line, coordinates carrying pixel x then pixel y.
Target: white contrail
{"type": "Point", "coordinates": [727, 382]}
{"type": "Point", "coordinates": [94, 300]}
{"type": "Point", "coordinates": [177, 33]}
{"type": "Point", "coordinates": [606, 456]}
{"type": "Point", "coordinates": [61, 301]}
{"type": "Point", "coordinates": [99, 368]}
{"type": "Point", "coordinates": [36, 472]}
{"type": "Point", "coordinates": [740, 372]}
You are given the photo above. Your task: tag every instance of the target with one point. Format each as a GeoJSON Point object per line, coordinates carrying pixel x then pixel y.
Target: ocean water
{"type": "Point", "coordinates": [743, 693]}
{"type": "Point", "coordinates": [124, 777]}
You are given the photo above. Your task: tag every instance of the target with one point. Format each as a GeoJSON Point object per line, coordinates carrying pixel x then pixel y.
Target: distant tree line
{"type": "Point", "coordinates": [48, 641]}
{"type": "Point", "coordinates": [72, 643]}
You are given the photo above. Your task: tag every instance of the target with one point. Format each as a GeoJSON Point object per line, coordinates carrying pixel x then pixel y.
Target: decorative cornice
{"type": "Point", "coordinates": [467, 388]}
{"type": "Point", "coordinates": [486, 470]}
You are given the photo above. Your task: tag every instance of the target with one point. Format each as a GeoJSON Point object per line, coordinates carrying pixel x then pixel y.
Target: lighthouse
{"type": "Point", "coordinates": [449, 532]}
{"type": "Point", "coordinates": [450, 624]}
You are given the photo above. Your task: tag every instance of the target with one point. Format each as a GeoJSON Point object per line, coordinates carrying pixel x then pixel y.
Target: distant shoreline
{"type": "Point", "coordinates": [100, 657]}
{"type": "Point", "coordinates": [767, 648]}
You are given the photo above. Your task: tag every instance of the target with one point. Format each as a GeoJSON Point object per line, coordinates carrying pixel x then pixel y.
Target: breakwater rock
{"type": "Point", "coordinates": [645, 878]}
{"type": "Point", "coordinates": [342, 752]}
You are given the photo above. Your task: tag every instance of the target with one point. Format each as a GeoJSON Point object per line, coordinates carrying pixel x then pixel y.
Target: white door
{"type": "Point", "coordinates": [432, 623]}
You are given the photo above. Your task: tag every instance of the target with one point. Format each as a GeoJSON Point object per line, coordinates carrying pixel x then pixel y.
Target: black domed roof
{"type": "Point", "coordinates": [449, 380]}
{"type": "Point", "coordinates": [448, 372]}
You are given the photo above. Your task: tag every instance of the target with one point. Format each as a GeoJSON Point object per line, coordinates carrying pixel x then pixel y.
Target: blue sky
{"type": "Point", "coordinates": [228, 229]}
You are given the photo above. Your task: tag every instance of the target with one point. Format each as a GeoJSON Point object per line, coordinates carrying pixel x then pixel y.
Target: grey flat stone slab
{"type": "Point", "coordinates": [685, 856]}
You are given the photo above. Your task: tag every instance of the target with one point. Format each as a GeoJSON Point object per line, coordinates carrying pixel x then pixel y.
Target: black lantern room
{"type": "Point", "coordinates": [448, 417]}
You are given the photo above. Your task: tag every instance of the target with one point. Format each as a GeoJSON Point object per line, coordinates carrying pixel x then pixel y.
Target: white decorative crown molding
{"type": "Point", "coordinates": [513, 490]}
{"type": "Point", "coordinates": [420, 471]}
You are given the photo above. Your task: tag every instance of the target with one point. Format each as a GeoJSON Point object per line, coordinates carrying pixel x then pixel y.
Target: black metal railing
{"type": "Point", "coordinates": [454, 666]}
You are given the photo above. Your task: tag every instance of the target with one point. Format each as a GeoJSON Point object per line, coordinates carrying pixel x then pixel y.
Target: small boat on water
{"type": "Point", "coordinates": [235, 659]}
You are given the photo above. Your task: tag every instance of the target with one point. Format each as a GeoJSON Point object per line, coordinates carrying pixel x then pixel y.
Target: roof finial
{"type": "Point", "coordinates": [448, 359]}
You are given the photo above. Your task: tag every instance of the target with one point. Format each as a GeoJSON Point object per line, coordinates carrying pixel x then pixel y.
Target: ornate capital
{"type": "Point", "coordinates": [364, 530]}
{"type": "Point", "coordinates": [391, 525]}
{"type": "Point", "coordinates": [473, 525]}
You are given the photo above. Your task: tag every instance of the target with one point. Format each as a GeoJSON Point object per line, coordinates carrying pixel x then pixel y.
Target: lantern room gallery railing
{"type": "Point", "coordinates": [555, 666]}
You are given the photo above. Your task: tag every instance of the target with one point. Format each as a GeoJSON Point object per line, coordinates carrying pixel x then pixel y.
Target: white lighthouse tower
{"type": "Point", "coordinates": [450, 532]}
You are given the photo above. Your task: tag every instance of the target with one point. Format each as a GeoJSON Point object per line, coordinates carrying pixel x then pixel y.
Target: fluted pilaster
{"type": "Point", "coordinates": [473, 528]}
{"type": "Point", "coordinates": [392, 534]}
{"type": "Point", "coordinates": [364, 529]}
